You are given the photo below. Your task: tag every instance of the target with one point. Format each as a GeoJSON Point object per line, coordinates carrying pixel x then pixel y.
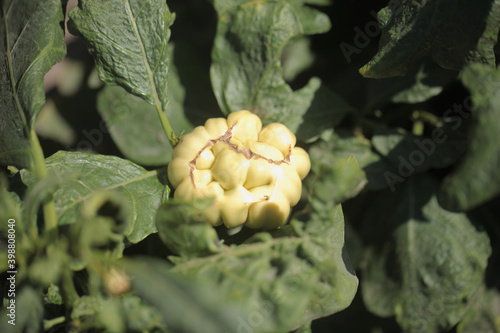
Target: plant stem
{"type": "Point", "coordinates": [40, 170]}
{"type": "Point", "coordinates": [69, 293]}
{"type": "Point", "coordinates": [156, 100]}
{"type": "Point", "coordinates": [50, 323]}
{"type": "Point", "coordinates": [169, 132]}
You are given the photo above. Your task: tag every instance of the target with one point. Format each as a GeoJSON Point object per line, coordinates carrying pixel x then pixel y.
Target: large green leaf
{"type": "Point", "coordinates": [477, 178]}
{"type": "Point", "coordinates": [416, 28]}
{"type": "Point", "coordinates": [285, 278]}
{"type": "Point", "coordinates": [134, 126]}
{"type": "Point", "coordinates": [31, 42]}
{"type": "Point", "coordinates": [128, 40]}
{"type": "Point", "coordinates": [140, 190]}
{"type": "Point", "coordinates": [423, 263]}
{"type": "Point", "coordinates": [246, 70]}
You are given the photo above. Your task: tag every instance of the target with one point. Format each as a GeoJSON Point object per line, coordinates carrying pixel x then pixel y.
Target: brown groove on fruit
{"type": "Point", "coordinates": [225, 138]}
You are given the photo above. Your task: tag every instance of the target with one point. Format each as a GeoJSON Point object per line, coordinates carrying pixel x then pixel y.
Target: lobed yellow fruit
{"type": "Point", "coordinates": [254, 174]}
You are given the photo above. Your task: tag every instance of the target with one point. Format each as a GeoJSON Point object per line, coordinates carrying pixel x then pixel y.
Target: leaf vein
{"type": "Point", "coordinates": [154, 92]}
{"type": "Point", "coordinates": [108, 188]}
{"type": "Point", "coordinates": [24, 28]}
{"type": "Point", "coordinates": [140, 9]}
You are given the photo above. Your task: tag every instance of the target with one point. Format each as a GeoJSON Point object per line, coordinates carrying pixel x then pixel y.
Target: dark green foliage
{"type": "Point", "coordinates": [398, 225]}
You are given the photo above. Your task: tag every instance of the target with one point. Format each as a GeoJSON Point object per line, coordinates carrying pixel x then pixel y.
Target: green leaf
{"type": "Point", "coordinates": [339, 147]}
{"type": "Point", "coordinates": [476, 179]}
{"type": "Point", "coordinates": [347, 178]}
{"type": "Point", "coordinates": [134, 126]}
{"type": "Point", "coordinates": [483, 314]}
{"type": "Point", "coordinates": [306, 328]}
{"type": "Point", "coordinates": [45, 270]}
{"type": "Point", "coordinates": [31, 42]}
{"type": "Point", "coordinates": [184, 230]}
{"type": "Point", "coordinates": [128, 40]}
{"type": "Point", "coordinates": [37, 192]}
{"type": "Point", "coordinates": [327, 109]}
{"type": "Point", "coordinates": [91, 313]}
{"type": "Point", "coordinates": [141, 190]}
{"type": "Point", "coordinates": [133, 123]}
{"type": "Point", "coordinates": [297, 56]}
{"type": "Point", "coordinates": [319, 2]}
{"type": "Point", "coordinates": [50, 124]}
{"type": "Point", "coordinates": [140, 316]}
{"type": "Point", "coordinates": [91, 237]}
{"type": "Point", "coordinates": [86, 306]}
{"type": "Point", "coordinates": [10, 205]}
{"type": "Point", "coordinates": [285, 278]}
{"type": "Point", "coordinates": [418, 153]}
{"type": "Point", "coordinates": [423, 263]}
{"type": "Point", "coordinates": [418, 28]}
{"type": "Point", "coordinates": [246, 70]}
{"type": "Point", "coordinates": [129, 312]}
{"type": "Point", "coordinates": [53, 295]}
{"type": "Point", "coordinates": [178, 301]}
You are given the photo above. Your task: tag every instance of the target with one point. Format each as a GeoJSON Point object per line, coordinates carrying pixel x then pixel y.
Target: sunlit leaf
{"type": "Point", "coordinates": [31, 42]}
{"type": "Point", "coordinates": [128, 40]}
{"type": "Point", "coordinates": [140, 190]}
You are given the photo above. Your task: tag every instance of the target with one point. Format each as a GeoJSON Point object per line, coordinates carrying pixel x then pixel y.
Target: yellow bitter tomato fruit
{"type": "Point", "coordinates": [254, 174]}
